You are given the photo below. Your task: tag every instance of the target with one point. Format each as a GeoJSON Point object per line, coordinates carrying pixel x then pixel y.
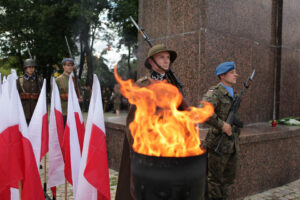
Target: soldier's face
{"type": "Point", "coordinates": [163, 60]}
{"type": "Point", "coordinates": [29, 70]}
{"type": "Point", "coordinates": [229, 78]}
{"type": "Point", "coordinates": [68, 67]}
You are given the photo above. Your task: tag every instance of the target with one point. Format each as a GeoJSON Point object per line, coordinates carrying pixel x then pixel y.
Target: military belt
{"type": "Point", "coordinates": [64, 97]}
{"type": "Point", "coordinates": [26, 96]}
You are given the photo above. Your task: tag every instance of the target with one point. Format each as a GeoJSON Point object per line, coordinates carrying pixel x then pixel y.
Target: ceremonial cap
{"type": "Point", "coordinates": [224, 68]}
{"type": "Point", "coordinates": [66, 60]}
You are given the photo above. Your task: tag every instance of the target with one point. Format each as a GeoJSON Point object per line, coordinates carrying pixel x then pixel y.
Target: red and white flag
{"type": "Point", "coordinates": [38, 127]}
{"type": "Point", "coordinates": [73, 137]}
{"type": "Point", "coordinates": [0, 85]}
{"type": "Point", "coordinates": [93, 180]}
{"type": "Point", "coordinates": [17, 161]}
{"type": "Point", "coordinates": [56, 132]}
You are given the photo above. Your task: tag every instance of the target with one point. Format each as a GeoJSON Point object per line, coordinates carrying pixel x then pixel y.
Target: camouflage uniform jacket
{"type": "Point", "coordinates": [219, 97]}
{"type": "Point", "coordinates": [62, 82]}
{"type": "Point", "coordinates": [29, 91]}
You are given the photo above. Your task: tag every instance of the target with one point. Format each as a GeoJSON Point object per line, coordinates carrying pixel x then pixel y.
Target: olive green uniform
{"type": "Point", "coordinates": [29, 90]}
{"type": "Point", "coordinates": [221, 167]}
{"type": "Point", "coordinates": [116, 97]}
{"type": "Point", "coordinates": [62, 82]}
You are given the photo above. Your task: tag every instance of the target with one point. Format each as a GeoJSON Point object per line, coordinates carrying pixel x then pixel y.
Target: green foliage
{"type": "Point", "coordinates": [123, 70]}
{"type": "Point", "coordinates": [7, 64]}
{"type": "Point", "coordinates": [105, 75]}
{"type": "Point", "coordinates": [120, 12]}
{"type": "Point", "coordinates": [42, 26]}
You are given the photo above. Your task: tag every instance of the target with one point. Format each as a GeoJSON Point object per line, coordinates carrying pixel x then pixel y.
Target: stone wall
{"type": "Point", "coordinates": [207, 32]}
{"type": "Point", "coordinates": [269, 157]}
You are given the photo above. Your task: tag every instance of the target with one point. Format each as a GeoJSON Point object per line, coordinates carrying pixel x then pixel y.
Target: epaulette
{"type": "Point", "coordinates": [144, 81]}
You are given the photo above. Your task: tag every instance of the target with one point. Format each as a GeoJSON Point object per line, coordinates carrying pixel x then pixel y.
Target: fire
{"type": "Point", "coordinates": [159, 128]}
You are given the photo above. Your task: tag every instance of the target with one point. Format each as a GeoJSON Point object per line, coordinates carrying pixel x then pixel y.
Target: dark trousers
{"type": "Point", "coordinates": [124, 181]}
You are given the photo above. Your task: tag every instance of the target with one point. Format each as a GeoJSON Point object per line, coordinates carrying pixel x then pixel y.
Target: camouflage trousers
{"type": "Point", "coordinates": [221, 174]}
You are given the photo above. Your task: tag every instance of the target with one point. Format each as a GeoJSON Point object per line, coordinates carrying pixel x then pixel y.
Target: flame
{"type": "Point", "coordinates": [159, 128]}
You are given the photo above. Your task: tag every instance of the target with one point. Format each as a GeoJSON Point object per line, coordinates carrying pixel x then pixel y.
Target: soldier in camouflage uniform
{"type": "Point", "coordinates": [29, 88]}
{"type": "Point", "coordinates": [222, 167]}
{"type": "Point", "coordinates": [158, 61]}
{"type": "Point", "coordinates": [63, 85]}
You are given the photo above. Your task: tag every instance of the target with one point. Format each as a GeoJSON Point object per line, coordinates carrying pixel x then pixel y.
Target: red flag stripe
{"type": "Point", "coordinates": [21, 164]}
{"type": "Point", "coordinates": [45, 136]}
{"type": "Point", "coordinates": [11, 153]}
{"type": "Point", "coordinates": [53, 190]}
{"type": "Point", "coordinates": [96, 171]}
{"type": "Point", "coordinates": [59, 126]}
{"type": "Point", "coordinates": [80, 130]}
{"type": "Point", "coordinates": [67, 155]}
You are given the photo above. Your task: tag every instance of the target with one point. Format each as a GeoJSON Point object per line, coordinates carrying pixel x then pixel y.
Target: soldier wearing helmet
{"type": "Point", "coordinates": [158, 61]}
{"type": "Point", "coordinates": [29, 88]}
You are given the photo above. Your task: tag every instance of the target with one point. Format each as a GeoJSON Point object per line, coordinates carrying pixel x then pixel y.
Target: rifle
{"type": "Point", "coordinates": [35, 71]}
{"type": "Point", "coordinates": [75, 67]}
{"type": "Point", "coordinates": [233, 110]}
{"type": "Point", "coordinates": [170, 74]}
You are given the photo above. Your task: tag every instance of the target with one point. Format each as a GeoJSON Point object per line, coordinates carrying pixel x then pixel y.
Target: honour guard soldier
{"type": "Point", "coordinates": [158, 62]}
{"type": "Point", "coordinates": [62, 82]}
{"type": "Point", "coordinates": [29, 87]}
{"type": "Point", "coordinates": [222, 166]}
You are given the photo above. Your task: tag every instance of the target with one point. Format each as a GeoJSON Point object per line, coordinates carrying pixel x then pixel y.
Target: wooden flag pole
{"type": "Point", "coordinates": [66, 189]}
{"type": "Point", "coordinates": [20, 190]}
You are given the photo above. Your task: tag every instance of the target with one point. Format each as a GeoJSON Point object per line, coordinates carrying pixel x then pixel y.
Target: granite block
{"type": "Point", "coordinates": [291, 24]}
{"type": "Point", "coordinates": [176, 12]}
{"type": "Point", "coordinates": [251, 19]}
{"type": "Point", "coordinates": [160, 20]}
{"type": "Point", "coordinates": [192, 16]}
{"type": "Point", "coordinates": [290, 83]}
{"type": "Point", "coordinates": [115, 134]}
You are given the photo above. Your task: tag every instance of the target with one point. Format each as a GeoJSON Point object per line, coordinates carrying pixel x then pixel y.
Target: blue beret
{"type": "Point", "coordinates": [225, 67]}
{"type": "Point", "coordinates": [67, 59]}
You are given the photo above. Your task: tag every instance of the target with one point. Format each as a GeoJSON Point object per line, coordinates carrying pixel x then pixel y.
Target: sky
{"type": "Point", "coordinates": [113, 55]}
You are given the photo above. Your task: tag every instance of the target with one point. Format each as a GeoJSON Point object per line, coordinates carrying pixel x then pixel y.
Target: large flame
{"type": "Point", "coordinates": [159, 128]}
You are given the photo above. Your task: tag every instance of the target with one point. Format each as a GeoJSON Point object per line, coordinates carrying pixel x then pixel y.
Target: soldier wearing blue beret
{"type": "Point", "coordinates": [222, 167]}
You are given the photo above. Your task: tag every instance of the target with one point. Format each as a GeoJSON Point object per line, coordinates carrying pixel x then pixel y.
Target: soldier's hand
{"type": "Point", "coordinates": [227, 129]}
{"type": "Point", "coordinates": [80, 99]}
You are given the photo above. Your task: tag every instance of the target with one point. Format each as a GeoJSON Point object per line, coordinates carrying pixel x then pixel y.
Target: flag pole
{"type": "Point", "coordinates": [66, 187]}
{"type": "Point", "coordinates": [20, 190]}
{"type": "Point", "coordinates": [45, 178]}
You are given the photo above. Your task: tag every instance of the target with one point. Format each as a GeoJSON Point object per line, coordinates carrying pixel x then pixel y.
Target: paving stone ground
{"type": "Point", "coordinates": [290, 191]}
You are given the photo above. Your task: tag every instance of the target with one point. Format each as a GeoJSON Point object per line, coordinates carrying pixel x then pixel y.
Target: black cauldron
{"type": "Point", "coordinates": [168, 178]}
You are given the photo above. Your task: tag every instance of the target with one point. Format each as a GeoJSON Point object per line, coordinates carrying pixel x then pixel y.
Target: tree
{"type": "Point", "coordinates": [120, 12]}
{"type": "Point", "coordinates": [42, 25]}
{"type": "Point", "coordinates": [39, 25]}
{"type": "Point", "coordinates": [87, 13]}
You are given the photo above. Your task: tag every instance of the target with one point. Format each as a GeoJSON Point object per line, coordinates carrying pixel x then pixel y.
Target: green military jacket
{"type": "Point", "coordinates": [63, 86]}
{"type": "Point", "coordinates": [29, 91]}
{"type": "Point", "coordinates": [219, 97]}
